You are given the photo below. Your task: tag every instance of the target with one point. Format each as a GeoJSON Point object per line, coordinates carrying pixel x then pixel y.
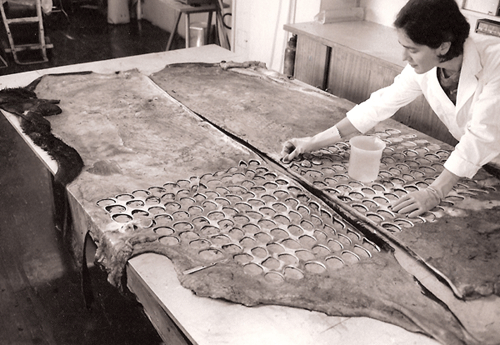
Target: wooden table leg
{"type": "Point", "coordinates": [172, 34]}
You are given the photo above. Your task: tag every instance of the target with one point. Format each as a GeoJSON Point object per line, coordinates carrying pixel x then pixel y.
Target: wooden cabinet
{"type": "Point", "coordinates": [353, 59]}
{"type": "Point", "coordinates": [311, 61]}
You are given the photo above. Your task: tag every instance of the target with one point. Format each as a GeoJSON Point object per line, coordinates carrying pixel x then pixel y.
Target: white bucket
{"type": "Point", "coordinates": [364, 162]}
{"type": "Point", "coordinates": [118, 12]}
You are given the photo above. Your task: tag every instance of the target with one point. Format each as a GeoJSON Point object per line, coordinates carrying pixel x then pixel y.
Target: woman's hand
{"type": "Point", "coordinates": [425, 200]}
{"type": "Point", "coordinates": [417, 203]}
{"type": "Point", "coordinates": [295, 147]}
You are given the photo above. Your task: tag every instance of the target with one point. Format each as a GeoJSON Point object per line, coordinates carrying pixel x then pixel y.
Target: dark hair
{"type": "Point", "coordinates": [433, 22]}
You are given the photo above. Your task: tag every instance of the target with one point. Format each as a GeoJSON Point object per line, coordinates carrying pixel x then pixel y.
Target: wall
{"type": "Point", "coordinates": [384, 11]}
{"type": "Point", "coordinates": [258, 31]}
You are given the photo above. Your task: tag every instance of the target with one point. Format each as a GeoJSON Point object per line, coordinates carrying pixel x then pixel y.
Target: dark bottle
{"type": "Point", "coordinates": [289, 63]}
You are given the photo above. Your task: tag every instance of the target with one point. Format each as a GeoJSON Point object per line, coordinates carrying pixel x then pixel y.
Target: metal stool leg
{"type": "Point", "coordinates": [188, 25]}
{"type": "Point", "coordinates": [174, 31]}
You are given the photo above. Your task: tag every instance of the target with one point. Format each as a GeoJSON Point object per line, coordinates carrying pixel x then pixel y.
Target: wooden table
{"type": "Point", "coordinates": [182, 318]}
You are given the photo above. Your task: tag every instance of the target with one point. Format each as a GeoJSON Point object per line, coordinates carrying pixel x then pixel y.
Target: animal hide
{"type": "Point", "coordinates": [32, 111]}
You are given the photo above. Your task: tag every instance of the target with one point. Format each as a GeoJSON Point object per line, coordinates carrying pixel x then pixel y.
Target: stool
{"type": "Point", "coordinates": [181, 8]}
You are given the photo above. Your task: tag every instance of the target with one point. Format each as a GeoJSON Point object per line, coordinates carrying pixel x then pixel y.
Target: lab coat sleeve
{"type": "Point", "coordinates": [481, 141]}
{"type": "Point", "coordinates": [384, 103]}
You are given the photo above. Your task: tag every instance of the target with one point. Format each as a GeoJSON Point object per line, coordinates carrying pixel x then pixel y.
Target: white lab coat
{"type": "Point", "coordinates": [474, 121]}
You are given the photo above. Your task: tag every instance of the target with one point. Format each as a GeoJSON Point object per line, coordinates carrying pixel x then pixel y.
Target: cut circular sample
{"type": "Point", "coordinates": [157, 190]}
{"type": "Point", "coordinates": [199, 243]}
{"type": "Point", "coordinates": [251, 228]}
{"type": "Point", "coordinates": [361, 251]}
{"type": "Point", "coordinates": [315, 267]}
{"type": "Point", "coordinates": [183, 226]}
{"type": "Point", "coordinates": [220, 239]}
{"type": "Point", "coordinates": [124, 197]}
{"type": "Point", "coordinates": [295, 230]}
{"type": "Point", "coordinates": [281, 194]}
{"type": "Point", "coordinates": [231, 248]}
{"type": "Point", "coordinates": [267, 211]}
{"type": "Point", "coordinates": [305, 255]}
{"type": "Point", "coordinates": [269, 198]}
{"type": "Point", "coordinates": [179, 215]}
{"type": "Point", "coordinates": [391, 227]}
{"type": "Point", "coordinates": [263, 237]}
{"type": "Point", "coordinates": [215, 215]}
{"type": "Point", "coordinates": [169, 240]}
{"type": "Point", "coordinates": [279, 207]}
{"type": "Point", "coordinates": [209, 205]}
{"type": "Point", "coordinates": [279, 234]}
{"type": "Point", "coordinates": [209, 230]}
{"type": "Point", "coordinates": [229, 211]}
{"type": "Point", "coordinates": [156, 210]}
{"type": "Point", "coordinates": [140, 193]}
{"type": "Point", "coordinates": [164, 230]}
{"type": "Point", "coordinates": [223, 201]}
{"type": "Point", "coordinates": [334, 262]}
{"type": "Point", "coordinates": [105, 202]}
{"type": "Point", "coordinates": [254, 215]}
{"type": "Point", "coordinates": [274, 278]}
{"type": "Point", "coordinates": [292, 244]}
{"type": "Point", "coordinates": [259, 252]}
{"type": "Point", "coordinates": [275, 248]}
{"type": "Point", "coordinates": [163, 219]}
{"type": "Point", "coordinates": [350, 257]}
{"type": "Point", "coordinates": [295, 217]}
{"type": "Point", "coordinates": [288, 259]}
{"type": "Point", "coordinates": [292, 203]}
{"type": "Point", "coordinates": [243, 258]}
{"type": "Point", "coordinates": [153, 200]}
{"type": "Point", "coordinates": [321, 250]}
{"type": "Point", "coordinates": [122, 218]}
{"type": "Point", "coordinates": [266, 224]}
{"type": "Point", "coordinates": [293, 273]}
{"type": "Point", "coordinates": [247, 242]}
{"type": "Point", "coordinates": [256, 202]}
{"type": "Point", "coordinates": [307, 225]}
{"type": "Point", "coordinates": [307, 241]}
{"type": "Point", "coordinates": [211, 255]}
{"type": "Point", "coordinates": [188, 236]}
{"type": "Point", "coordinates": [236, 234]}
{"type": "Point", "coordinates": [335, 245]}
{"type": "Point", "coordinates": [281, 219]}
{"type": "Point", "coordinates": [172, 206]}
{"type": "Point", "coordinates": [344, 239]}
{"type": "Point", "coordinates": [138, 214]}
{"type": "Point", "coordinates": [115, 208]}
{"type": "Point", "coordinates": [243, 206]}
{"type": "Point", "coordinates": [271, 263]}
{"type": "Point", "coordinates": [253, 269]}
{"type": "Point", "coordinates": [241, 219]}
{"type": "Point", "coordinates": [135, 203]}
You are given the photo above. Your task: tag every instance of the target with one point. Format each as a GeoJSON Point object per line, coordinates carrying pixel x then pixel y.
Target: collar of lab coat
{"type": "Point", "coordinates": [467, 84]}
{"type": "Point", "coordinates": [471, 67]}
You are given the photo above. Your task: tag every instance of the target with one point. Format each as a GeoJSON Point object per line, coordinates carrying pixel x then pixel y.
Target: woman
{"type": "Point", "coordinates": [460, 78]}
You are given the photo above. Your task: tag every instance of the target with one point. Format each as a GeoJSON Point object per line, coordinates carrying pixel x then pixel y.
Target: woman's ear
{"type": "Point", "coordinates": [444, 48]}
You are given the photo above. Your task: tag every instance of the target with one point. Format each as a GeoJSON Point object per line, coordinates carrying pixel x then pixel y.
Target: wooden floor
{"type": "Point", "coordinates": [40, 294]}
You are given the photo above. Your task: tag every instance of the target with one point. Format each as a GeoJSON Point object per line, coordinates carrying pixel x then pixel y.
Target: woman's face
{"type": "Point", "coordinates": [421, 57]}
